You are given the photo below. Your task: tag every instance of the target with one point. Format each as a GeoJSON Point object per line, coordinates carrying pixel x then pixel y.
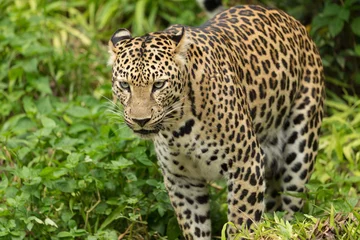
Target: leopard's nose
{"type": "Point", "coordinates": [141, 122]}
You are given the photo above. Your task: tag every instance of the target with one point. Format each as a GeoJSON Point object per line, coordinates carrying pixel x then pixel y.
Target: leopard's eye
{"type": "Point", "coordinates": [158, 85]}
{"type": "Point", "coordinates": [124, 85]}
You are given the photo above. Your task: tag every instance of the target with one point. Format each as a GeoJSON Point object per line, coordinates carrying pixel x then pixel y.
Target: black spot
{"type": "Point", "coordinates": [303, 174]}
{"type": "Point", "coordinates": [298, 119]}
{"type": "Point", "coordinates": [290, 158]}
{"type": "Point", "coordinates": [202, 199]}
{"type": "Point", "coordinates": [176, 134]}
{"type": "Point", "coordinates": [252, 199]}
{"type": "Point", "coordinates": [203, 218]}
{"type": "Point", "coordinates": [197, 232]}
{"type": "Point", "coordinates": [248, 223]}
{"type": "Point", "coordinates": [288, 178]}
{"type": "Point", "coordinates": [179, 195]}
{"type": "Point", "coordinates": [275, 193]}
{"type": "Point", "coordinates": [230, 187]}
{"type": "Point", "coordinates": [187, 212]}
{"type": "Point", "coordinates": [190, 201]}
{"type": "Point", "coordinates": [258, 214]}
{"type": "Point", "coordinates": [291, 188]}
{"type": "Point", "coordinates": [286, 200]}
{"type": "Point", "coordinates": [294, 208]}
{"type": "Point", "coordinates": [237, 173]}
{"type": "Point", "coordinates": [270, 205]}
{"type": "Point", "coordinates": [293, 138]}
{"type": "Point", "coordinates": [260, 197]}
{"type": "Point", "coordinates": [315, 146]}
{"type": "Point", "coordinates": [253, 181]}
{"type": "Point", "coordinates": [211, 5]}
{"type": "Point", "coordinates": [243, 194]}
{"type": "Point", "coordinates": [186, 129]}
{"type": "Point", "coordinates": [296, 167]}
{"type": "Point", "coordinates": [240, 220]}
{"type": "Point", "coordinates": [302, 146]}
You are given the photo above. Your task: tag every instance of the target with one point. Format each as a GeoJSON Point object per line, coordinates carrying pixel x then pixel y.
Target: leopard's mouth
{"type": "Point", "coordinates": [146, 131]}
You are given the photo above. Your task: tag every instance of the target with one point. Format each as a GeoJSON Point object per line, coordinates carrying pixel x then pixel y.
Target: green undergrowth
{"type": "Point", "coordinates": [69, 167]}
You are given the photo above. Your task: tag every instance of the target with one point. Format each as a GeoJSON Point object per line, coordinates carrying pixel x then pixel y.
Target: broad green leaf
{"type": "Point", "coordinates": [65, 235]}
{"type": "Point", "coordinates": [344, 14]}
{"type": "Point", "coordinates": [152, 182]}
{"type": "Point", "coordinates": [41, 84]}
{"type": "Point", "coordinates": [115, 214]}
{"type": "Point", "coordinates": [48, 122]}
{"type": "Point", "coordinates": [23, 152]}
{"type": "Point", "coordinates": [29, 65]}
{"type": "Point", "coordinates": [335, 26]}
{"type": "Point", "coordinates": [38, 220]}
{"type": "Point", "coordinates": [67, 186]}
{"type": "Point", "coordinates": [60, 172]}
{"type": "Point", "coordinates": [29, 226]}
{"type": "Point", "coordinates": [12, 202]}
{"type": "Point", "coordinates": [50, 222]}
{"type": "Point", "coordinates": [80, 127]}
{"type": "Point", "coordinates": [29, 105]}
{"type": "Point", "coordinates": [79, 112]}
{"type": "Point", "coordinates": [121, 163]}
{"type": "Point", "coordinates": [331, 10]}
{"type": "Point", "coordinates": [4, 182]}
{"type": "Point", "coordinates": [355, 26]}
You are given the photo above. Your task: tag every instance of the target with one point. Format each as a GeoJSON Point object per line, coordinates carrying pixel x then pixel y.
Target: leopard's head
{"type": "Point", "coordinates": [148, 77]}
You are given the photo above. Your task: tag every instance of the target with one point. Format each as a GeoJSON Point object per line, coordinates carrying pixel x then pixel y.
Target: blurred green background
{"type": "Point", "coordinates": [71, 170]}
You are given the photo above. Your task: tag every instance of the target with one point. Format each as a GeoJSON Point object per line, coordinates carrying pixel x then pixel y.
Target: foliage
{"type": "Point", "coordinates": [70, 169]}
{"type": "Point", "coordinates": [336, 32]}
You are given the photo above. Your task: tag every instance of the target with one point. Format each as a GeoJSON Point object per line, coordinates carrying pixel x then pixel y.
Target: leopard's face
{"type": "Point", "coordinates": [148, 82]}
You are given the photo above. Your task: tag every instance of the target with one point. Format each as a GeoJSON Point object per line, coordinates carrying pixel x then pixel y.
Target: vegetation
{"type": "Point", "coordinates": [70, 169]}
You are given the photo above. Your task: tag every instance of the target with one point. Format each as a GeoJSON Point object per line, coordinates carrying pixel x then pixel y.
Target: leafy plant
{"type": "Point", "coordinates": [70, 169]}
{"type": "Point", "coordinates": [336, 32]}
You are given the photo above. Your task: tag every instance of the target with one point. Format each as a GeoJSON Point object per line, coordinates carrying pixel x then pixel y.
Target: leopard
{"type": "Point", "coordinates": [238, 98]}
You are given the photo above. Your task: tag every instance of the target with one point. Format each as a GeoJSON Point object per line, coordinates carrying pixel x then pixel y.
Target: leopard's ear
{"type": "Point", "coordinates": [120, 35]}
{"type": "Point", "coordinates": [182, 45]}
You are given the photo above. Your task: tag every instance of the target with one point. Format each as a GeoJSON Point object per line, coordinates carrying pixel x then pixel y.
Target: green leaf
{"type": "Point", "coordinates": [4, 182]}
{"type": "Point", "coordinates": [335, 26]}
{"type": "Point", "coordinates": [23, 152]}
{"type": "Point", "coordinates": [357, 49]}
{"type": "Point", "coordinates": [152, 182]}
{"type": "Point", "coordinates": [141, 156]}
{"type": "Point", "coordinates": [41, 84]}
{"type": "Point", "coordinates": [79, 112]}
{"type": "Point", "coordinates": [67, 186]}
{"type": "Point", "coordinates": [44, 105]}
{"type": "Point", "coordinates": [29, 105]}
{"type": "Point", "coordinates": [29, 66]}
{"type": "Point", "coordinates": [50, 222]}
{"type": "Point", "coordinates": [64, 234]}
{"type": "Point", "coordinates": [344, 14]}
{"type": "Point", "coordinates": [80, 127]}
{"type": "Point", "coordinates": [33, 218]}
{"type": "Point", "coordinates": [115, 214]}
{"type": "Point", "coordinates": [121, 163]}
{"type": "Point", "coordinates": [331, 10]}
{"type": "Point", "coordinates": [48, 122]}
{"type": "Point", "coordinates": [355, 27]}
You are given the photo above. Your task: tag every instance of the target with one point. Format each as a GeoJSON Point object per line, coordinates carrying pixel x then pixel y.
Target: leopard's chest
{"type": "Point", "coordinates": [190, 155]}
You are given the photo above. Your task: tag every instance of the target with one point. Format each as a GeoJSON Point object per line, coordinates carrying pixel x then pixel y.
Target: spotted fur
{"type": "Point", "coordinates": [240, 97]}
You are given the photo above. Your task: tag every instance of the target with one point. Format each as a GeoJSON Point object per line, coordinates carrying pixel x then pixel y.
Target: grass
{"type": "Point", "coordinates": [69, 168]}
